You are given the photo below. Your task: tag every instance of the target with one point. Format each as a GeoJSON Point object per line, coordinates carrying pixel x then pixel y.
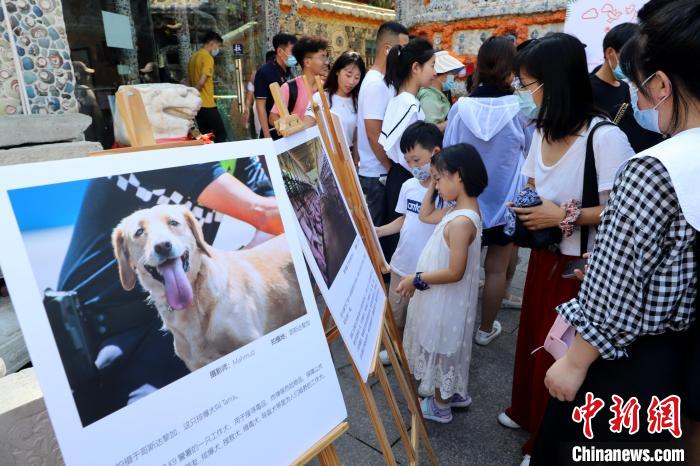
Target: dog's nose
{"type": "Point", "coordinates": [164, 248]}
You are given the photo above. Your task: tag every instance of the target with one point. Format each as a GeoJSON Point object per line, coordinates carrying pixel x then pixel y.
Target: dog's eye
{"type": "Point", "coordinates": [138, 232]}
{"type": "Point", "coordinates": [173, 223]}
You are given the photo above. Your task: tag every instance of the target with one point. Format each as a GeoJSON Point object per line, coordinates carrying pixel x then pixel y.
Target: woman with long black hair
{"type": "Point", "coordinates": [638, 300]}
{"type": "Point", "coordinates": [558, 96]}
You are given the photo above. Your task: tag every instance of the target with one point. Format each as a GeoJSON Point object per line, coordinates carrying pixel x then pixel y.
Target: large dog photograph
{"type": "Point", "coordinates": [149, 276]}
{"type": "Point", "coordinates": [318, 205]}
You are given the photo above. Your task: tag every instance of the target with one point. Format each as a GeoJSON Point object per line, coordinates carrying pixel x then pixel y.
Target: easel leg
{"type": "Point", "coordinates": [411, 398]}
{"type": "Point", "coordinates": [396, 413]}
{"type": "Point", "coordinates": [329, 456]}
{"type": "Point", "coordinates": [376, 420]}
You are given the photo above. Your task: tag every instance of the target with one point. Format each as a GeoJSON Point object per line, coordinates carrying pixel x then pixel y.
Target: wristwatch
{"type": "Point", "coordinates": [419, 283]}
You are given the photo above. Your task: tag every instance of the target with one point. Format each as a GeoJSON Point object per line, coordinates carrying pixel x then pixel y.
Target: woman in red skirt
{"type": "Point", "coordinates": [559, 97]}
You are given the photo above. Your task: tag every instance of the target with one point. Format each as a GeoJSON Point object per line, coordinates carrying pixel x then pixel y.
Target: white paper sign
{"type": "Point", "coordinates": [117, 30]}
{"type": "Point", "coordinates": [590, 20]}
{"type": "Point", "coordinates": [333, 248]}
{"type": "Point", "coordinates": [249, 379]}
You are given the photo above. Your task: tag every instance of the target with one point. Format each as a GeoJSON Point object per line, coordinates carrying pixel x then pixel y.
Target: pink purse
{"type": "Point", "coordinates": [559, 338]}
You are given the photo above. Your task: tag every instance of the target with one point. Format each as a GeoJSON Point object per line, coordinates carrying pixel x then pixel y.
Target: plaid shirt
{"type": "Point", "coordinates": [642, 278]}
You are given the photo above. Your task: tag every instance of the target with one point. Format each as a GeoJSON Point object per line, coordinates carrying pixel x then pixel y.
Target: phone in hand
{"type": "Point", "coordinates": [573, 265]}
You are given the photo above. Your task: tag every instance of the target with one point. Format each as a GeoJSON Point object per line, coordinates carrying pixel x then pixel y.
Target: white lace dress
{"type": "Point", "coordinates": [440, 321]}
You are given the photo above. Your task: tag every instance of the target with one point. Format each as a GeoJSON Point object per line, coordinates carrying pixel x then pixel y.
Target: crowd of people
{"type": "Point", "coordinates": [544, 154]}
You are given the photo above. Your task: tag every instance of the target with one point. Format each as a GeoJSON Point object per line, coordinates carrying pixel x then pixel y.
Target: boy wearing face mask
{"type": "Point", "coordinates": [612, 94]}
{"type": "Point", "coordinates": [200, 72]}
{"type": "Point", "coordinates": [419, 142]}
{"type": "Point", "coordinates": [433, 101]}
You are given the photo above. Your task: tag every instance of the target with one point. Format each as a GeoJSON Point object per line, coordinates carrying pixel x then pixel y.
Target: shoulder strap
{"type": "Point", "coordinates": [293, 94]}
{"type": "Point", "coordinates": [590, 196]}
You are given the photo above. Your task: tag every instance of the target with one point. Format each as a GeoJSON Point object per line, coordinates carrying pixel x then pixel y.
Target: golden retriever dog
{"type": "Point", "coordinates": [212, 301]}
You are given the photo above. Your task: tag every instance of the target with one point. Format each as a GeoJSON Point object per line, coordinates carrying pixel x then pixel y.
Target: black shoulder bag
{"type": "Point", "coordinates": [293, 95]}
{"type": "Point", "coordinates": [590, 196]}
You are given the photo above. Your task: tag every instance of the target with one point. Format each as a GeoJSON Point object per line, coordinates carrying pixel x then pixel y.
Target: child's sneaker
{"type": "Point", "coordinates": [484, 338]}
{"type": "Point", "coordinates": [384, 358]}
{"type": "Point", "coordinates": [433, 412]}
{"type": "Point", "coordinates": [458, 401]}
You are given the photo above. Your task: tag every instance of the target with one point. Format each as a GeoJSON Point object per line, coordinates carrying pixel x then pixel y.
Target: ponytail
{"type": "Point", "coordinates": [401, 59]}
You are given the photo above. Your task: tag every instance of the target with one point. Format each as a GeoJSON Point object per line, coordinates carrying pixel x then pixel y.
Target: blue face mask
{"type": "Point", "coordinates": [528, 107]}
{"type": "Point", "coordinates": [292, 61]}
{"type": "Point", "coordinates": [421, 173]}
{"type": "Point", "coordinates": [649, 118]}
{"type": "Point", "coordinates": [215, 52]}
{"type": "Point", "coordinates": [619, 75]}
{"type": "Point", "coordinates": [449, 83]}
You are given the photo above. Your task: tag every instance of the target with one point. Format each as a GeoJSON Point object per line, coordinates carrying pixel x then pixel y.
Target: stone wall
{"type": "Point", "coordinates": [344, 24]}
{"type": "Point", "coordinates": [38, 76]}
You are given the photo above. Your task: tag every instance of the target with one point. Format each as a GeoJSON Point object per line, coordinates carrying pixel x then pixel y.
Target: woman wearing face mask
{"type": "Point", "coordinates": [408, 68]}
{"type": "Point", "coordinates": [342, 88]}
{"type": "Point", "coordinates": [635, 312]}
{"type": "Point", "coordinates": [558, 97]}
{"type": "Point", "coordinates": [433, 101]}
{"type": "Point", "coordinates": [490, 120]}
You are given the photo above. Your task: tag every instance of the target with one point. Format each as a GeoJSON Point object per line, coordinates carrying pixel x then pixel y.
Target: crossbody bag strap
{"type": "Point", "coordinates": [590, 196]}
{"type": "Point", "coordinates": [293, 94]}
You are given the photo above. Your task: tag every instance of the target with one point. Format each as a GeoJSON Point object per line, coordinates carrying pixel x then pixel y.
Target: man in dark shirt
{"type": "Point", "coordinates": [278, 70]}
{"type": "Point", "coordinates": [612, 94]}
{"type": "Point", "coordinates": [134, 356]}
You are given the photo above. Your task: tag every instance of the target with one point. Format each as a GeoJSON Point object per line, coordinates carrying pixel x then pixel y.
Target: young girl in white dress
{"type": "Point", "coordinates": [440, 321]}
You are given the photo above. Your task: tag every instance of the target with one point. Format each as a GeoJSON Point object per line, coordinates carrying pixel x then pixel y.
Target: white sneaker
{"type": "Point", "coordinates": [526, 460]}
{"type": "Point", "coordinates": [506, 421]}
{"type": "Point", "coordinates": [384, 358]}
{"type": "Point", "coordinates": [484, 338]}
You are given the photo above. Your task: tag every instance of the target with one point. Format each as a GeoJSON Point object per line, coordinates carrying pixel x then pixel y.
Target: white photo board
{"type": "Point", "coordinates": [590, 20]}
{"type": "Point", "coordinates": [256, 388]}
{"type": "Point", "coordinates": [333, 248]}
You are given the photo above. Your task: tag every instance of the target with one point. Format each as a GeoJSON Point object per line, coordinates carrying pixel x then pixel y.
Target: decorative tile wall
{"type": "Point", "coordinates": [42, 53]}
{"type": "Point", "coordinates": [10, 101]}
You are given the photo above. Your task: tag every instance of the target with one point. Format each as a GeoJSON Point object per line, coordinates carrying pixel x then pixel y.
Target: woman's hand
{"type": "Point", "coordinates": [406, 288]}
{"type": "Point", "coordinates": [545, 215]}
{"type": "Point", "coordinates": [564, 379]}
{"type": "Point", "coordinates": [580, 274]}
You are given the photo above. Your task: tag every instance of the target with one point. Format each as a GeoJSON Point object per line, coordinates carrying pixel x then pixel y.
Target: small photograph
{"type": "Point", "coordinates": [149, 276]}
{"type": "Point", "coordinates": [318, 204]}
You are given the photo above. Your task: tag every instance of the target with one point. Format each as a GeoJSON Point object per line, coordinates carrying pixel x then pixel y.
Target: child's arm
{"type": "Point", "coordinates": [390, 228]}
{"type": "Point", "coordinates": [428, 212]}
{"type": "Point", "coordinates": [460, 233]}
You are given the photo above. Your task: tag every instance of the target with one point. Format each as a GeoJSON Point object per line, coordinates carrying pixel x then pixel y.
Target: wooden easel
{"type": "Point", "coordinates": [343, 165]}
{"type": "Point", "coordinates": [139, 129]}
{"type": "Point", "coordinates": [287, 124]}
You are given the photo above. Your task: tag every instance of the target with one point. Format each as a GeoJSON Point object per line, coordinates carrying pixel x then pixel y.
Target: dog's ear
{"type": "Point", "coordinates": [126, 273]}
{"type": "Point", "coordinates": [197, 232]}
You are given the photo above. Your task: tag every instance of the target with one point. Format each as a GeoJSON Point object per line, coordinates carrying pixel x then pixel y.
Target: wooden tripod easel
{"type": "Point", "coordinates": [138, 127]}
{"type": "Point", "coordinates": [343, 166]}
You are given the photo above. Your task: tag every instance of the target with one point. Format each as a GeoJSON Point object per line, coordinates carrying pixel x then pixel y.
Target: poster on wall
{"type": "Point", "coordinates": [590, 20]}
{"type": "Point", "coordinates": [333, 248]}
{"type": "Point", "coordinates": [167, 308]}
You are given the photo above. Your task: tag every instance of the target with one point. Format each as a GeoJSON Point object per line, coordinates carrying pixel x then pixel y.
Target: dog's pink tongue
{"type": "Point", "coordinates": [178, 290]}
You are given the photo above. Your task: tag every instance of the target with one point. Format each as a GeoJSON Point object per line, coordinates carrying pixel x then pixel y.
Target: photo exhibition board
{"type": "Point", "coordinates": [250, 403]}
{"type": "Point", "coordinates": [590, 20]}
{"type": "Point", "coordinates": [334, 250]}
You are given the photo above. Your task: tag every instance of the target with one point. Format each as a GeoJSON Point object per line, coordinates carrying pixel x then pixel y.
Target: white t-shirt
{"type": "Point", "coordinates": [414, 233]}
{"type": "Point", "coordinates": [371, 105]}
{"type": "Point", "coordinates": [343, 107]}
{"type": "Point", "coordinates": [564, 180]}
{"type": "Point", "coordinates": [402, 110]}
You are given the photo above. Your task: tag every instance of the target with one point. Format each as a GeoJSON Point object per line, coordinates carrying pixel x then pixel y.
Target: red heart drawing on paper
{"type": "Point", "coordinates": [607, 8]}
{"type": "Point", "coordinates": [630, 9]}
{"type": "Point", "coordinates": [590, 14]}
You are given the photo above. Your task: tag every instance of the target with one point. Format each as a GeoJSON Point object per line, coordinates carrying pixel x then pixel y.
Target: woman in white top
{"type": "Point", "coordinates": [342, 88]}
{"type": "Point", "coordinates": [559, 98]}
{"type": "Point", "coordinates": [408, 68]}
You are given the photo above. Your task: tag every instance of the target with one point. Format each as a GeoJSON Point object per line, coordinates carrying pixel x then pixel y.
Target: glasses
{"type": "Point", "coordinates": [519, 85]}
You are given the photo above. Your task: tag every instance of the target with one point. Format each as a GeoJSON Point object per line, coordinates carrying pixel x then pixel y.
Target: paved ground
{"type": "Point", "coordinates": [474, 437]}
